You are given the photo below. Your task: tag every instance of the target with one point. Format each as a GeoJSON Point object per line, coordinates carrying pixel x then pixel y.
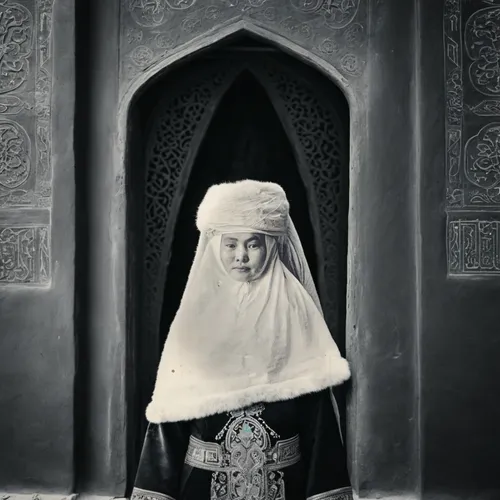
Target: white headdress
{"type": "Point", "coordinates": [232, 344]}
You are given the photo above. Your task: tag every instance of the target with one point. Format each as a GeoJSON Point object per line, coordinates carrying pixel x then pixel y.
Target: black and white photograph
{"type": "Point", "coordinates": [249, 249]}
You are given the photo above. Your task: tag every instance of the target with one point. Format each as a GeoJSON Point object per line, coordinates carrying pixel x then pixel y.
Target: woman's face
{"type": "Point", "coordinates": [243, 255]}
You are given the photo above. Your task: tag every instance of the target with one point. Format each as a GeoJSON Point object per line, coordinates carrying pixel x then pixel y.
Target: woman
{"type": "Point", "coordinates": [241, 408]}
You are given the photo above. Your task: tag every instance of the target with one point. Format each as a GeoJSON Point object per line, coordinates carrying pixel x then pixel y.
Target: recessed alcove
{"type": "Point", "coordinates": [242, 109]}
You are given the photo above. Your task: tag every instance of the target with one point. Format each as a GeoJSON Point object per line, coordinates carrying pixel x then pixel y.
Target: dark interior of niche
{"type": "Point", "coordinates": [245, 139]}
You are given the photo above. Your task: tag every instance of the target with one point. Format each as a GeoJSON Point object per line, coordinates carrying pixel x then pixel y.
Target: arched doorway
{"type": "Point", "coordinates": [241, 110]}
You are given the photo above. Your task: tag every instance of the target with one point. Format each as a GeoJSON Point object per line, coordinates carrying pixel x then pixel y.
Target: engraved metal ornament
{"type": "Point", "coordinates": [245, 446]}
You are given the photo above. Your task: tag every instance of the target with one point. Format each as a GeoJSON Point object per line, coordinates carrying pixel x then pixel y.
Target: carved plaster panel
{"type": "Point", "coordinates": [472, 87]}
{"type": "Point", "coordinates": [153, 29]}
{"type": "Point", "coordinates": [474, 245]}
{"type": "Point", "coordinates": [25, 88]}
{"type": "Point", "coordinates": [25, 254]}
{"type": "Point", "coordinates": [25, 137]}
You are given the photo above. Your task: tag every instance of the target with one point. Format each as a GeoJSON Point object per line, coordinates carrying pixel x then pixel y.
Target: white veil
{"type": "Point", "coordinates": [232, 344]}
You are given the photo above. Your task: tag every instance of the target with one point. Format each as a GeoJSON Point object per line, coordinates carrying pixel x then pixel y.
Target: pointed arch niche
{"type": "Point", "coordinates": [242, 109]}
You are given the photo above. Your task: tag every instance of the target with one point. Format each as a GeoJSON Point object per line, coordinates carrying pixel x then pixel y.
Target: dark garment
{"type": "Point", "coordinates": [287, 450]}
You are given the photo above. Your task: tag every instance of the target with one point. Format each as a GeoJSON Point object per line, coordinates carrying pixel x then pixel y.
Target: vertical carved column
{"type": "Point", "coordinates": [25, 141]}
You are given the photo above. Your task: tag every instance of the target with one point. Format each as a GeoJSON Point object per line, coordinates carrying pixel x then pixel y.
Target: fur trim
{"type": "Point", "coordinates": [261, 206]}
{"type": "Point", "coordinates": [335, 374]}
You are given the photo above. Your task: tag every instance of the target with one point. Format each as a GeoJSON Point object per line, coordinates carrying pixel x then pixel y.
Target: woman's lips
{"type": "Point", "coordinates": [241, 269]}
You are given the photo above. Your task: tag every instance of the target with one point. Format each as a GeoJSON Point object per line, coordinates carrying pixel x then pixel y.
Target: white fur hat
{"type": "Point", "coordinates": [260, 206]}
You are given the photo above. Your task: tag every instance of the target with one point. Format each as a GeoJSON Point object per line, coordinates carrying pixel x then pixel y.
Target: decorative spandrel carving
{"type": "Point", "coordinates": [148, 13]}
{"type": "Point", "coordinates": [153, 29]}
{"type": "Point", "coordinates": [474, 246]}
{"type": "Point", "coordinates": [24, 255]}
{"type": "Point", "coordinates": [336, 13]}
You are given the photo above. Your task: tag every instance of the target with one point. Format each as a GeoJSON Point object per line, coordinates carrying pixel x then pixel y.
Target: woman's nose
{"type": "Point", "coordinates": [241, 256]}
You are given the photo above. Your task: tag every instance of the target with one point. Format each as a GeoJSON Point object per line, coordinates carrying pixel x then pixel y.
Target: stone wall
{"type": "Point", "coordinates": [37, 347]}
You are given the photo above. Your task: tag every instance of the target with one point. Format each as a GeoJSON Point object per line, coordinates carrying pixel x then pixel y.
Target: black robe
{"type": "Point", "coordinates": [287, 450]}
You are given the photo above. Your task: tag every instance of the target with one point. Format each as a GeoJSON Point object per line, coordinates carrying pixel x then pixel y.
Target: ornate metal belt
{"type": "Point", "coordinates": [210, 456]}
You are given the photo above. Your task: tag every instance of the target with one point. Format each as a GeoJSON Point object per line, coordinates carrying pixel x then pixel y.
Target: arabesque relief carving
{"type": "Point", "coordinates": [16, 41]}
{"type": "Point", "coordinates": [336, 13]}
{"type": "Point", "coordinates": [15, 155]}
{"type": "Point", "coordinates": [25, 137]}
{"type": "Point", "coordinates": [153, 13]}
{"type": "Point", "coordinates": [25, 89]}
{"type": "Point", "coordinates": [472, 88]}
{"type": "Point", "coordinates": [25, 255]}
{"type": "Point", "coordinates": [153, 29]}
{"type": "Point", "coordinates": [483, 48]}
{"type": "Point", "coordinates": [482, 162]}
